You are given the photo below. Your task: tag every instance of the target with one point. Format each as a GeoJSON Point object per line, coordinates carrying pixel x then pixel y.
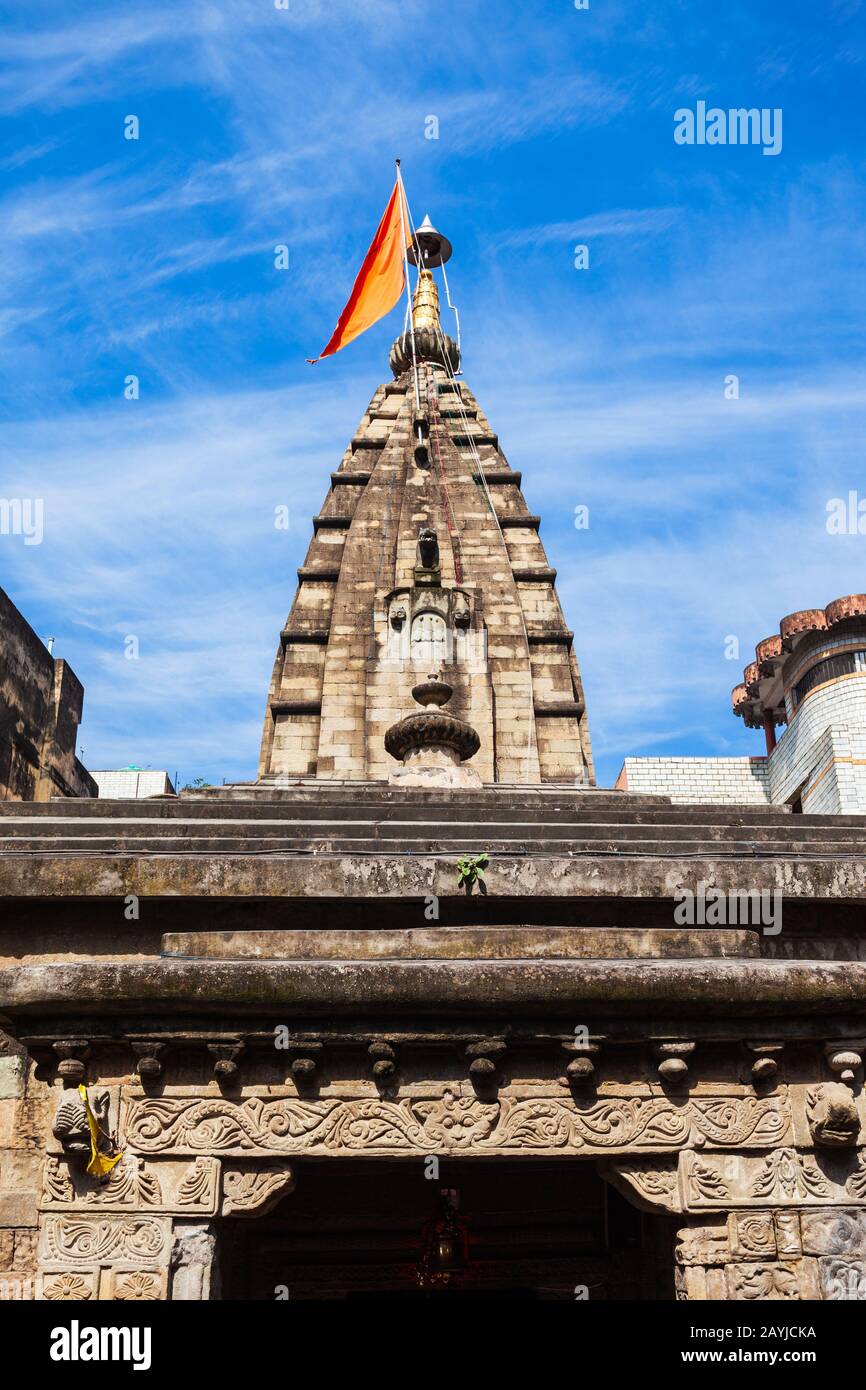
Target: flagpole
{"type": "Point", "coordinates": [403, 204]}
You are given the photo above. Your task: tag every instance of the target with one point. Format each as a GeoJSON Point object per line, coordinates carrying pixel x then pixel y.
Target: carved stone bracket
{"type": "Point", "coordinates": [73, 1053]}
{"type": "Point", "coordinates": [251, 1190]}
{"type": "Point", "coordinates": [71, 1127]}
{"type": "Point", "coordinates": [673, 1061]}
{"type": "Point", "coordinates": [767, 1058]}
{"type": "Point", "coordinates": [226, 1057]}
{"type": "Point", "coordinates": [652, 1184]}
{"type": "Point", "coordinates": [150, 1059]}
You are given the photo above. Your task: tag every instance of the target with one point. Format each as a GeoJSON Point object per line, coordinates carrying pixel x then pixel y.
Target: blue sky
{"type": "Point", "coordinates": [261, 126]}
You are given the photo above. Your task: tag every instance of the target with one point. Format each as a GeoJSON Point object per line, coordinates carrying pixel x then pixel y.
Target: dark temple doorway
{"type": "Point", "coordinates": [486, 1228]}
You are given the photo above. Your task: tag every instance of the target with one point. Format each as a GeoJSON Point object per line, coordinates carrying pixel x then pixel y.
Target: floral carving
{"type": "Point", "coordinates": [129, 1183]}
{"type": "Point", "coordinates": [706, 1180]}
{"type": "Point", "coordinates": [58, 1184]}
{"type": "Point", "coordinates": [68, 1287]}
{"type": "Point", "coordinates": [856, 1183]}
{"type": "Point", "coordinates": [755, 1234]}
{"type": "Point", "coordinates": [654, 1180]}
{"type": "Point", "coordinates": [290, 1125]}
{"type": "Point", "coordinates": [768, 1281]}
{"type": "Point", "coordinates": [198, 1188]}
{"type": "Point", "coordinates": [137, 1287]}
{"type": "Point", "coordinates": [89, 1238]}
{"type": "Point", "coordinates": [254, 1190]}
{"type": "Point", "coordinates": [783, 1176]}
{"type": "Point", "coordinates": [843, 1279]}
{"type": "Point", "coordinates": [749, 1120]}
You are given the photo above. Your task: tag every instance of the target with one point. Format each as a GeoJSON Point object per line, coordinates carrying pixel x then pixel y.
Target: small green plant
{"type": "Point", "coordinates": [471, 871]}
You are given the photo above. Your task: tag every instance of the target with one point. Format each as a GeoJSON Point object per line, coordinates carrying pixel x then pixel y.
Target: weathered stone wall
{"type": "Point", "coordinates": [41, 700]}
{"type": "Point", "coordinates": [25, 1119]}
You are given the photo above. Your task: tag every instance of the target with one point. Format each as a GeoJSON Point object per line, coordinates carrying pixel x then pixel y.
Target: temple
{"type": "Point", "coordinates": [422, 1012]}
{"type": "Point", "coordinates": [425, 554]}
{"type": "Point", "coordinates": [807, 677]}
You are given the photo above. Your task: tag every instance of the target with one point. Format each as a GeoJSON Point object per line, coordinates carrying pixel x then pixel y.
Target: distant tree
{"type": "Point", "coordinates": [195, 785]}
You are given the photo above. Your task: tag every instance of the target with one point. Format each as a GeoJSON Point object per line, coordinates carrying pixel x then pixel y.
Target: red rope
{"type": "Point", "coordinates": [436, 422]}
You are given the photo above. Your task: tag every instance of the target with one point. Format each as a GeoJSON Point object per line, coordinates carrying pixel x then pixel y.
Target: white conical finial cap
{"type": "Point", "coordinates": [429, 247]}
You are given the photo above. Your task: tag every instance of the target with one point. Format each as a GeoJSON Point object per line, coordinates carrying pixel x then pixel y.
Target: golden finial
{"type": "Point", "coordinates": [429, 248]}
{"type": "Point", "coordinates": [425, 301]}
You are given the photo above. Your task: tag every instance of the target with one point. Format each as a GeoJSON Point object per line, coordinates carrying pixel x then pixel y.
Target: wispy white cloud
{"type": "Point", "coordinates": [617, 222]}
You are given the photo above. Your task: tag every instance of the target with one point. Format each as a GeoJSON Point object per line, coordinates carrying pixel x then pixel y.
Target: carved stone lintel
{"type": "Point", "coordinates": [553, 1123]}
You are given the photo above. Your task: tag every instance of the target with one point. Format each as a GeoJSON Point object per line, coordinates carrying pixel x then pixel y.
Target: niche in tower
{"type": "Point", "coordinates": [428, 640]}
{"type": "Point", "coordinates": [430, 625]}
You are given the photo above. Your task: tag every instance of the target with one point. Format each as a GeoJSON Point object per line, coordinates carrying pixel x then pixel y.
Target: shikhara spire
{"type": "Point", "coordinates": [425, 556]}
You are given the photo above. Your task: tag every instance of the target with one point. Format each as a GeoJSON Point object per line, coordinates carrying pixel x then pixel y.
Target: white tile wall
{"type": "Point", "coordinates": [712, 780]}
{"type": "Point", "coordinates": [827, 735]}
{"type": "Point", "coordinates": [821, 754]}
{"type": "Point", "coordinates": [126, 784]}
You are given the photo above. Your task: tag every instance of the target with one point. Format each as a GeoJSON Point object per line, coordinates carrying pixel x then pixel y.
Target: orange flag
{"type": "Point", "coordinates": [380, 280]}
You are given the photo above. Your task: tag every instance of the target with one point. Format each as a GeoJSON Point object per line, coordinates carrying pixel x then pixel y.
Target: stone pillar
{"type": "Point", "coordinates": [194, 1269]}
{"type": "Point", "coordinates": [24, 1108]}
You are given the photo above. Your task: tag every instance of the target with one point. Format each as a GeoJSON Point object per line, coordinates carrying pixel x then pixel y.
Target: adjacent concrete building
{"type": "Point", "coordinates": [809, 677]}
{"type": "Point", "coordinates": [131, 783]}
{"type": "Point", "coordinates": [41, 701]}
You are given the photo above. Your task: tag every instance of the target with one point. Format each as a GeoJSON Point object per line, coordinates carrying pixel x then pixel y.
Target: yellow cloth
{"type": "Point", "coordinates": [100, 1163]}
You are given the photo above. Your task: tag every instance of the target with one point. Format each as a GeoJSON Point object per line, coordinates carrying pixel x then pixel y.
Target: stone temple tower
{"type": "Point", "coordinates": [425, 557]}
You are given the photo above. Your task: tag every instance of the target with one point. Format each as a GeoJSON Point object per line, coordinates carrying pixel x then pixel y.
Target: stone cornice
{"type": "Point", "coordinates": [724, 988]}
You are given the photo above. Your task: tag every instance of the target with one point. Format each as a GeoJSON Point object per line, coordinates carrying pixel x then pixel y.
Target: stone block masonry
{"type": "Point", "coordinates": [41, 701]}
